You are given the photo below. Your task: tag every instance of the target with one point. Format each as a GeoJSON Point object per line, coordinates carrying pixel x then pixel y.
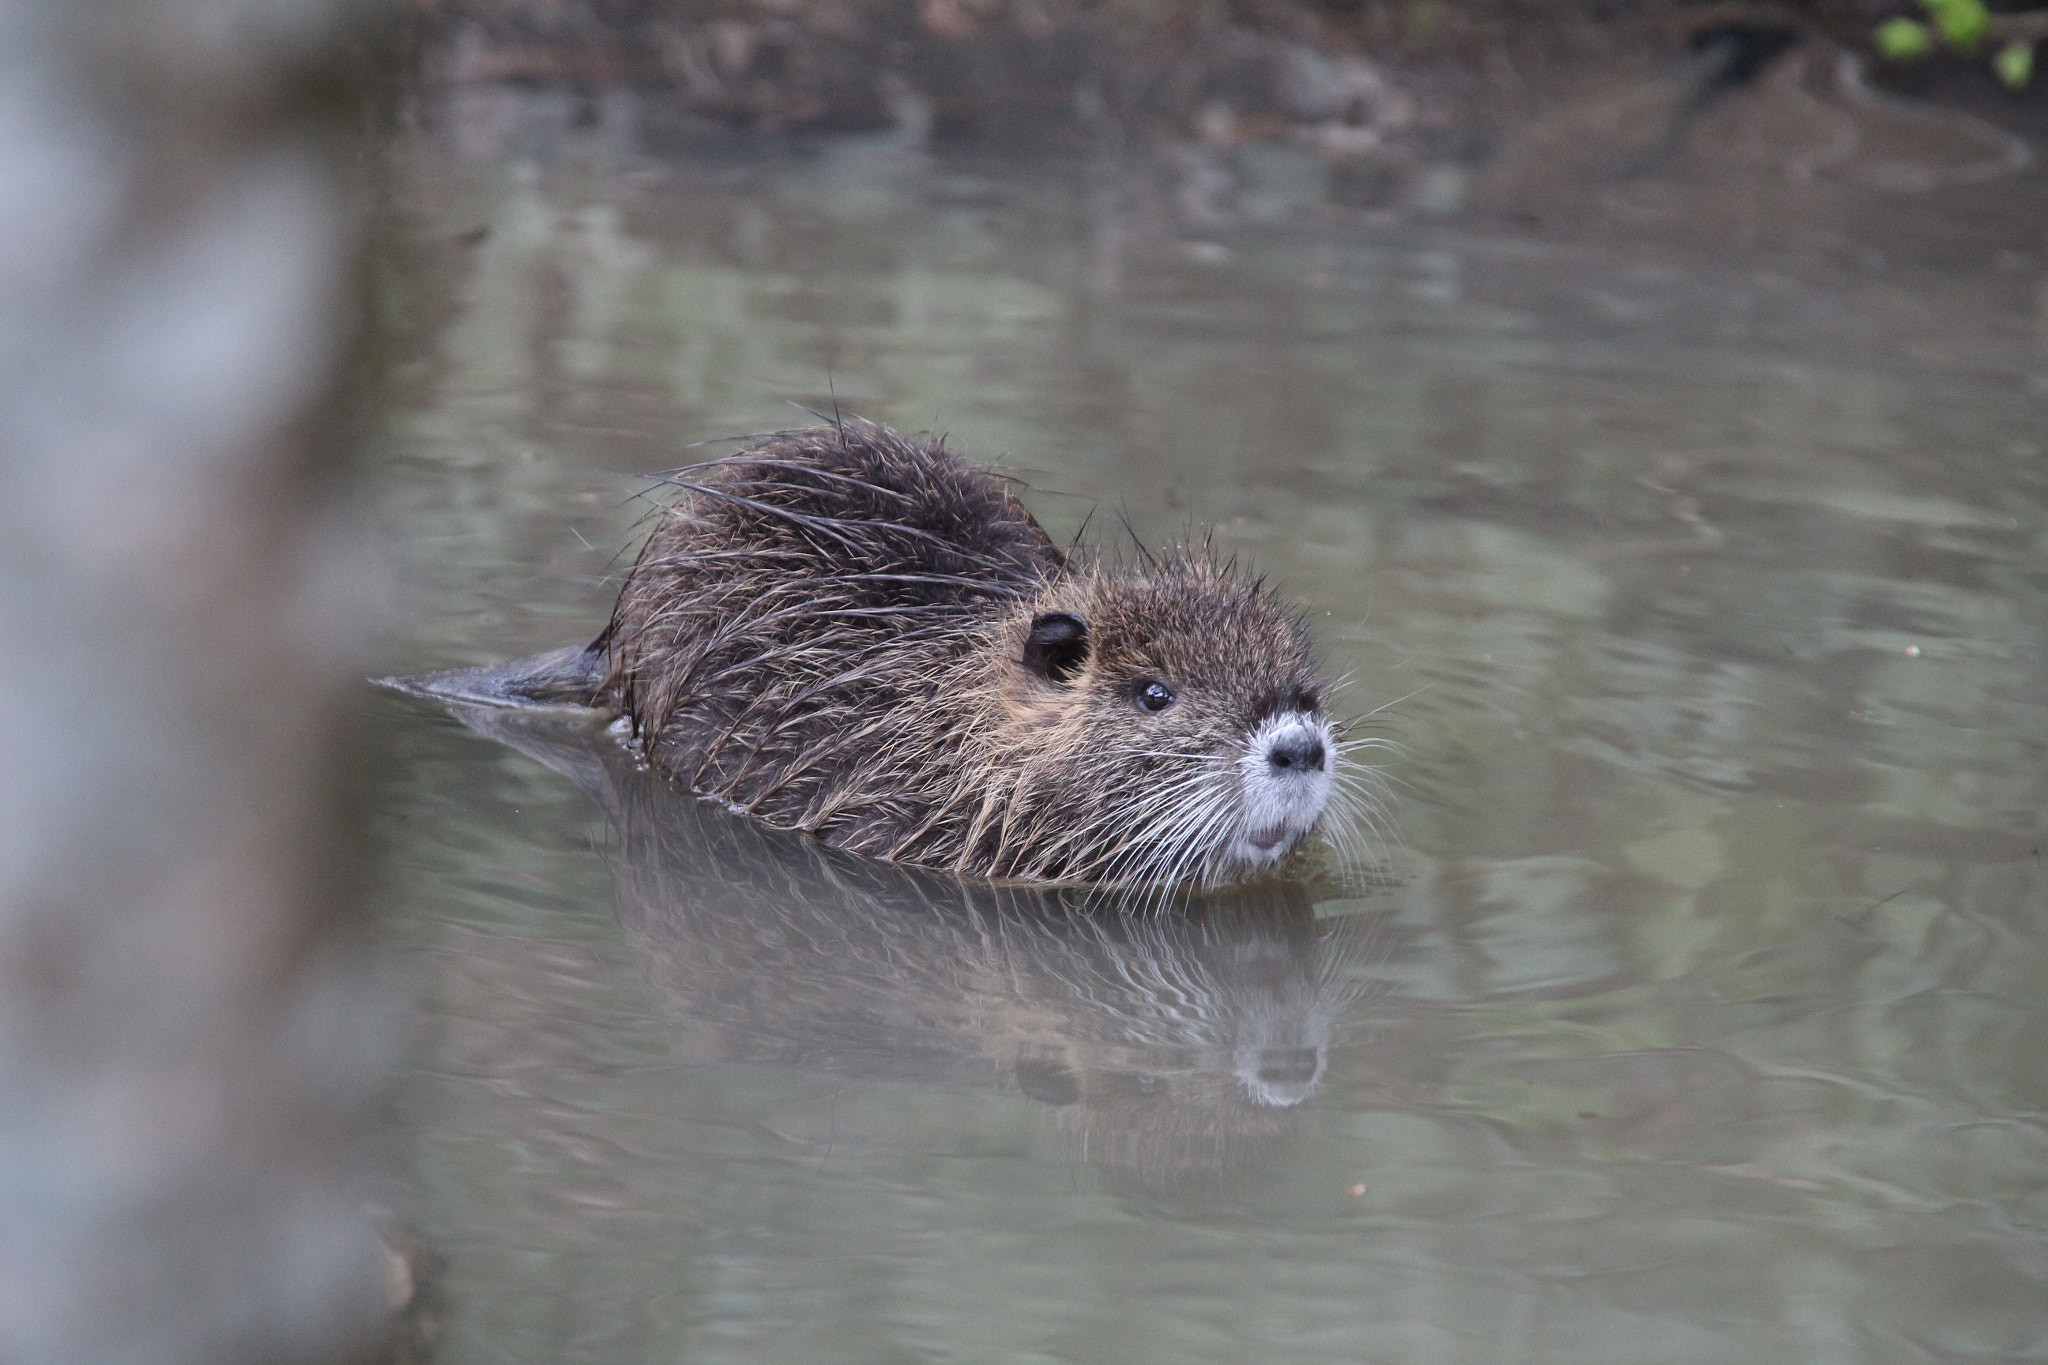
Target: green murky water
{"type": "Point", "coordinates": [1706, 591]}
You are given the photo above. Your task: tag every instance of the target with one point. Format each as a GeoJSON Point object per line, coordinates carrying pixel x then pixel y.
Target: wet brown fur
{"type": "Point", "coordinates": [827, 632]}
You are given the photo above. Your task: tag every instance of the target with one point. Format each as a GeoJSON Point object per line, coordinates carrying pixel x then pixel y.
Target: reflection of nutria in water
{"type": "Point", "coordinates": [855, 635]}
{"type": "Point", "coordinates": [1165, 1042]}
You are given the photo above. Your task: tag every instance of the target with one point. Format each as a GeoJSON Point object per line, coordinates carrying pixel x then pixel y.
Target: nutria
{"type": "Point", "coordinates": [847, 632]}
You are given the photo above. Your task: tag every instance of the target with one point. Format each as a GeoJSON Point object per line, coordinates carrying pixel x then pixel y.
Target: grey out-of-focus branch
{"type": "Point", "coordinates": [187, 1042]}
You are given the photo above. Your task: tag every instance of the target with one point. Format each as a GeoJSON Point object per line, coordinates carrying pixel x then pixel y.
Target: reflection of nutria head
{"type": "Point", "coordinates": [852, 634]}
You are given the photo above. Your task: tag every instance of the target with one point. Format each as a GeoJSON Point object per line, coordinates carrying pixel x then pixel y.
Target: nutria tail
{"type": "Point", "coordinates": [572, 677]}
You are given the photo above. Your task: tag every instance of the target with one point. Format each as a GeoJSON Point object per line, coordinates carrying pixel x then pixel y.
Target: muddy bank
{"type": "Point", "coordinates": [1010, 70]}
{"type": "Point", "coordinates": [1723, 125]}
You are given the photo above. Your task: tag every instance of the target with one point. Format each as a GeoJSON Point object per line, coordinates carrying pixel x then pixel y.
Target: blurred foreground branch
{"type": "Point", "coordinates": [185, 1048]}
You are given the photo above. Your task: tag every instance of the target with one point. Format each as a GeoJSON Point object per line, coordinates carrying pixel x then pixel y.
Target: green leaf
{"type": "Point", "coordinates": [1903, 39]}
{"type": "Point", "coordinates": [2014, 63]}
{"type": "Point", "coordinates": [1962, 23]}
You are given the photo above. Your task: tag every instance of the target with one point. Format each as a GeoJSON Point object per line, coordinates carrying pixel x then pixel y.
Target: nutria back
{"type": "Point", "coordinates": [847, 632]}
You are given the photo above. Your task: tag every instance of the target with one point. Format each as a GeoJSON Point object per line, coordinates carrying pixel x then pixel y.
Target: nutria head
{"type": "Point", "coordinates": [1163, 722]}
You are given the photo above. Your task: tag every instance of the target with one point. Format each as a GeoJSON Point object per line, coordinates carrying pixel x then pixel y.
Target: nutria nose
{"type": "Point", "coordinates": [1297, 751]}
{"type": "Point", "coordinates": [1289, 1066]}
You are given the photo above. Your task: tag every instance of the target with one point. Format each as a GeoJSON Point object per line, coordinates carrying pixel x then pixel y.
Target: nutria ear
{"type": "Point", "coordinates": [1057, 646]}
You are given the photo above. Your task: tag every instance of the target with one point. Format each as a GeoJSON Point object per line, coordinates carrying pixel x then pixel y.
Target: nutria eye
{"type": "Point", "coordinates": [1305, 699]}
{"type": "Point", "coordinates": [1153, 695]}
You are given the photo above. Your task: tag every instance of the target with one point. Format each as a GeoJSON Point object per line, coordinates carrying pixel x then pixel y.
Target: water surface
{"type": "Point", "coordinates": [1703, 587]}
